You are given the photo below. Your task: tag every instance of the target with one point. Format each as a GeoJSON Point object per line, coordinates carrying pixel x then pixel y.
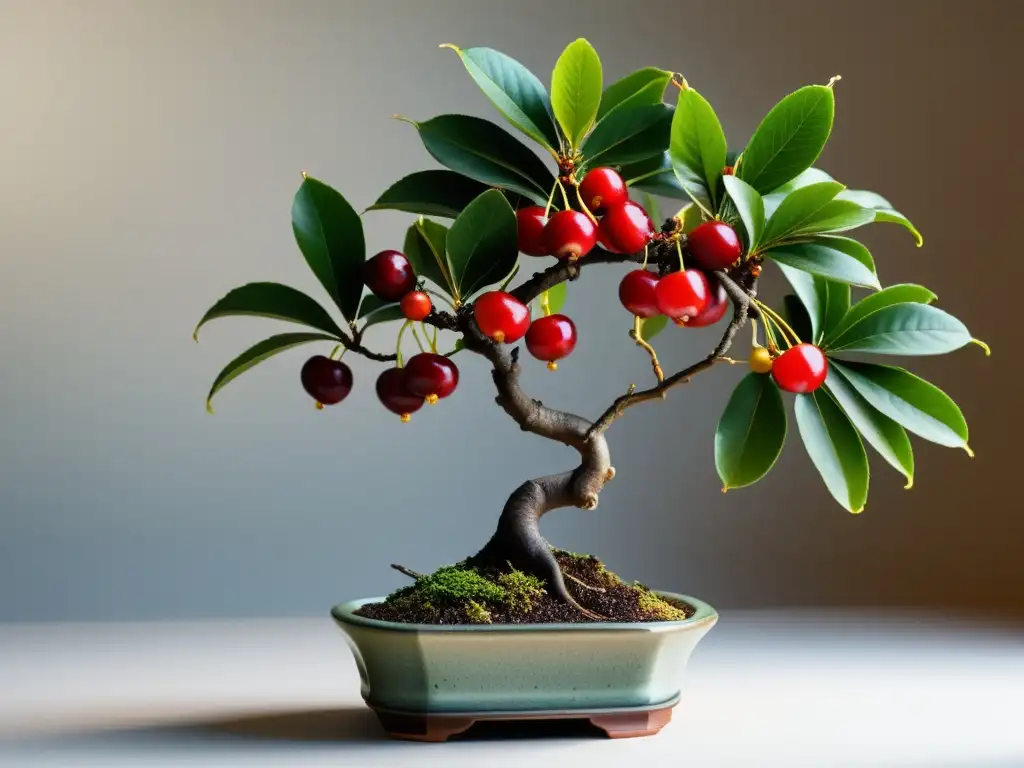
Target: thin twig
{"type": "Point", "coordinates": [407, 571]}
{"type": "Point", "coordinates": [636, 336]}
{"type": "Point", "coordinates": [583, 583]}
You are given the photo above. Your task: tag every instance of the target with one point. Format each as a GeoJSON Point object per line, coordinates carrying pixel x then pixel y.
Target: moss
{"type": "Point", "coordinates": [520, 590]}
{"type": "Point", "coordinates": [477, 613]}
{"type": "Point", "coordinates": [450, 584]}
{"type": "Point", "coordinates": [657, 608]}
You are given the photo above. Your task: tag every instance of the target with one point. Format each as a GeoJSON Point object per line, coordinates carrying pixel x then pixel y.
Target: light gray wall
{"type": "Point", "coordinates": [148, 154]}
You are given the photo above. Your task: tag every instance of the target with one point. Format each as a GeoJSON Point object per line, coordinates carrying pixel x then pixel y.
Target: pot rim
{"type": "Point", "coordinates": [344, 613]}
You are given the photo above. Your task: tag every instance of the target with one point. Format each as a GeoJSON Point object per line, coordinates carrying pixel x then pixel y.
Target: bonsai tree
{"type": "Point", "coordinates": [765, 206]}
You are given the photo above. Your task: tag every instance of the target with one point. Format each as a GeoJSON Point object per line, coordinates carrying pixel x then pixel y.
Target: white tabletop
{"type": "Point", "coordinates": [763, 689]}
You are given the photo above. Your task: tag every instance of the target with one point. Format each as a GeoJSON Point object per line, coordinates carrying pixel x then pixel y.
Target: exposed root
{"type": "Point", "coordinates": [583, 583]}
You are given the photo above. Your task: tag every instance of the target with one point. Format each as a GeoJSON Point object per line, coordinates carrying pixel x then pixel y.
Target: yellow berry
{"type": "Point", "coordinates": [760, 360]}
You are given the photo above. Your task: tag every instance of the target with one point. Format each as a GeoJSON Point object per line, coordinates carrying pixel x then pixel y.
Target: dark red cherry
{"type": "Point", "coordinates": [431, 376]}
{"type": "Point", "coordinates": [569, 235]}
{"type": "Point", "coordinates": [603, 188]}
{"type": "Point", "coordinates": [395, 396]}
{"type": "Point", "coordinates": [626, 228]}
{"type": "Point", "coordinates": [551, 338]}
{"type": "Point", "coordinates": [682, 295]}
{"type": "Point", "coordinates": [718, 303]}
{"type": "Point", "coordinates": [801, 369]}
{"type": "Point", "coordinates": [327, 381]}
{"type": "Point", "coordinates": [389, 275]}
{"type": "Point", "coordinates": [714, 245]}
{"type": "Point", "coordinates": [637, 293]}
{"type": "Point", "coordinates": [530, 224]}
{"type": "Point", "coordinates": [501, 316]}
{"type": "Point", "coordinates": [415, 305]}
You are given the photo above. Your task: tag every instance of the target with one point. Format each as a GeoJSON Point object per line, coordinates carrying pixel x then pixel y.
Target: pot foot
{"type": "Point", "coordinates": [630, 725]}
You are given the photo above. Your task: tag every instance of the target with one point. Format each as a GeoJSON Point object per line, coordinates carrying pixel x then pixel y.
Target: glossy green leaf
{"type": "Point", "coordinates": [652, 326]}
{"type": "Point", "coordinates": [430, 193]}
{"type": "Point", "coordinates": [894, 294]}
{"type": "Point", "coordinates": [917, 405]}
{"type": "Point", "coordinates": [835, 448]}
{"type": "Point", "coordinates": [576, 90]}
{"type": "Point", "coordinates": [488, 153]}
{"type": "Point", "coordinates": [750, 207]}
{"type": "Point", "coordinates": [825, 301]}
{"type": "Point", "coordinates": [697, 145]}
{"type": "Point", "coordinates": [653, 208]}
{"type": "Point", "coordinates": [884, 212]}
{"type": "Point", "coordinates": [834, 258]}
{"type": "Point", "coordinates": [482, 247]}
{"type": "Point", "coordinates": [272, 300]}
{"type": "Point", "coordinates": [330, 235]}
{"type": "Point", "coordinates": [626, 135]}
{"type": "Point", "coordinates": [836, 216]}
{"type": "Point", "coordinates": [774, 198]}
{"type": "Point", "coordinates": [425, 247]}
{"type": "Point", "coordinates": [789, 139]}
{"type": "Point", "coordinates": [514, 90]}
{"type": "Point", "coordinates": [904, 329]}
{"type": "Point", "coordinates": [882, 433]}
{"type": "Point", "coordinates": [656, 175]}
{"type": "Point", "coordinates": [555, 297]}
{"type": "Point", "coordinates": [644, 86]}
{"type": "Point", "coordinates": [751, 432]}
{"type": "Point", "coordinates": [257, 354]}
{"type": "Point", "coordinates": [800, 208]}
{"type": "Point", "coordinates": [797, 316]}
{"type": "Point", "coordinates": [375, 310]}
{"type": "Point", "coordinates": [692, 218]}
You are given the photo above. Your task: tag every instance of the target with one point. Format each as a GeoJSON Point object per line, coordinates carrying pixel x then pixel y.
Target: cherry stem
{"type": "Point", "coordinates": [545, 303]}
{"type": "Point", "coordinates": [679, 250]}
{"type": "Point", "coordinates": [441, 296]}
{"type": "Point", "coordinates": [398, 344]}
{"type": "Point", "coordinates": [644, 265]}
{"type": "Point", "coordinates": [417, 337]}
{"type": "Point", "coordinates": [565, 197]}
{"type": "Point", "coordinates": [775, 317]}
{"type": "Point", "coordinates": [636, 335]}
{"type": "Point", "coordinates": [551, 199]}
{"type": "Point", "coordinates": [583, 206]}
{"type": "Point", "coordinates": [334, 352]}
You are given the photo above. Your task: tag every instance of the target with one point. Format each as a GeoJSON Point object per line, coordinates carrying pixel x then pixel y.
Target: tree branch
{"type": "Point", "coordinates": [355, 344]}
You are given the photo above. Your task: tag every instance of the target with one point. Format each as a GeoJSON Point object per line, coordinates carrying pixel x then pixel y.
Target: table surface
{"type": "Point", "coordinates": [763, 689]}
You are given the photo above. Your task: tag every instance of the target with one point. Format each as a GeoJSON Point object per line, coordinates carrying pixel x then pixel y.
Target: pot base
{"type": "Point", "coordinates": [616, 723]}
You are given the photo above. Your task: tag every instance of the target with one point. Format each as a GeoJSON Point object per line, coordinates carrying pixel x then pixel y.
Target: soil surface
{"type": "Point", "coordinates": [613, 599]}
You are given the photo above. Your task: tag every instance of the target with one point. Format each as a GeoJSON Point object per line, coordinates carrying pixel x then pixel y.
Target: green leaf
{"type": "Point", "coordinates": [375, 310]}
{"type": "Point", "coordinates": [836, 216]}
{"type": "Point", "coordinates": [649, 143]}
{"type": "Point", "coordinates": [486, 152]}
{"type": "Point", "coordinates": [776, 196]}
{"type": "Point", "coordinates": [514, 90]}
{"type": "Point", "coordinates": [653, 209]}
{"type": "Point", "coordinates": [789, 139]}
{"type": "Point", "coordinates": [645, 86]}
{"type": "Point", "coordinates": [894, 294]}
{"type": "Point", "coordinates": [885, 435]}
{"type": "Point", "coordinates": [884, 212]}
{"type": "Point", "coordinates": [430, 193]}
{"type": "Point", "coordinates": [652, 326]}
{"type": "Point", "coordinates": [826, 302]}
{"type": "Point", "coordinates": [751, 432]}
{"type": "Point", "coordinates": [555, 297]}
{"type": "Point", "coordinates": [271, 300]}
{"type": "Point", "coordinates": [904, 329]}
{"type": "Point", "coordinates": [482, 247]}
{"type": "Point", "coordinates": [917, 405]}
{"type": "Point", "coordinates": [425, 247]}
{"type": "Point", "coordinates": [697, 146]}
{"type": "Point", "coordinates": [625, 135]}
{"type": "Point", "coordinates": [835, 448]}
{"type": "Point", "coordinates": [800, 208]}
{"type": "Point", "coordinates": [750, 207]}
{"type": "Point", "coordinates": [797, 316]}
{"type": "Point", "coordinates": [656, 175]}
{"type": "Point", "coordinates": [834, 258]}
{"type": "Point", "coordinates": [576, 90]}
{"type": "Point", "coordinates": [330, 236]}
{"type": "Point", "coordinates": [257, 354]}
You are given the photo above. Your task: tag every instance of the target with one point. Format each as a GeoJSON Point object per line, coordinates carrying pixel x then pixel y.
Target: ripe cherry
{"type": "Point", "coordinates": [395, 396]}
{"type": "Point", "coordinates": [551, 338]}
{"type": "Point", "coordinates": [603, 188]}
{"type": "Point", "coordinates": [501, 316]}
{"type": "Point", "coordinates": [416, 305]}
{"type": "Point", "coordinates": [530, 224]}
{"type": "Point", "coordinates": [801, 369]}
{"type": "Point", "coordinates": [728, 171]}
{"type": "Point", "coordinates": [718, 303]}
{"type": "Point", "coordinates": [682, 295]}
{"type": "Point", "coordinates": [626, 228]}
{"type": "Point", "coordinates": [569, 235]}
{"type": "Point", "coordinates": [431, 376]}
{"type": "Point", "coordinates": [327, 381]}
{"type": "Point", "coordinates": [389, 275]}
{"type": "Point", "coordinates": [714, 245]}
{"type": "Point", "coordinates": [760, 360]}
{"type": "Point", "coordinates": [637, 293]}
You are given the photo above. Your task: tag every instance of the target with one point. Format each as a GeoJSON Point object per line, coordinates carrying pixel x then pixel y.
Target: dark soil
{"type": "Point", "coordinates": [617, 602]}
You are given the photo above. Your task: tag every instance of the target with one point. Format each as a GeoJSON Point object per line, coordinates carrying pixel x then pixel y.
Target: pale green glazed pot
{"type": "Point", "coordinates": [527, 668]}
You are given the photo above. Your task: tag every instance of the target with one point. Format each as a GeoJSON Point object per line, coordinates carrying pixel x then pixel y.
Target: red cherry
{"type": "Point", "coordinates": [626, 228]}
{"type": "Point", "coordinates": [637, 293]}
{"type": "Point", "coordinates": [603, 188]}
{"type": "Point", "coordinates": [416, 305]}
{"type": "Point", "coordinates": [395, 396]}
{"type": "Point", "coordinates": [569, 235]}
{"type": "Point", "coordinates": [389, 275]}
{"type": "Point", "coordinates": [431, 376]}
{"type": "Point", "coordinates": [327, 381]}
{"type": "Point", "coordinates": [501, 316]}
{"type": "Point", "coordinates": [801, 369]}
{"type": "Point", "coordinates": [728, 170]}
{"type": "Point", "coordinates": [718, 303]}
{"type": "Point", "coordinates": [683, 294]}
{"type": "Point", "coordinates": [714, 245]}
{"type": "Point", "coordinates": [530, 223]}
{"type": "Point", "coordinates": [551, 338]}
